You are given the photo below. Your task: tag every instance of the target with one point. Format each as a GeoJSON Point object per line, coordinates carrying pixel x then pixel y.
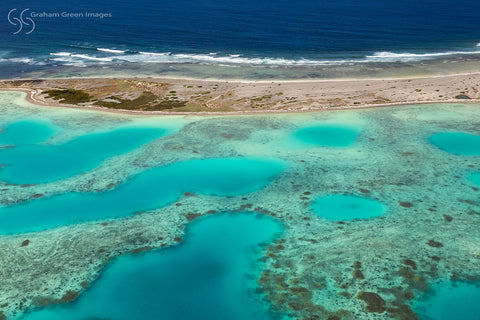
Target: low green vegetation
{"type": "Point", "coordinates": [262, 98]}
{"type": "Point", "coordinates": [142, 101]}
{"type": "Point", "coordinates": [147, 101]}
{"type": "Point", "coordinates": [165, 105]}
{"type": "Point", "coordinates": [71, 96]}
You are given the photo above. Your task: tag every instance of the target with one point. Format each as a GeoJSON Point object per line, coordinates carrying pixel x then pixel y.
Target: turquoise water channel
{"type": "Point", "coordinates": [451, 300]}
{"type": "Point", "coordinates": [211, 275]}
{"type": "Point", "coordinates": [27, 160]}
{"type": "Point", "coordinates": [149, 190]}
{"type": "Point", "coordinates": [460, 143]}
{"type": "Point", "coordinates": [27, 131]}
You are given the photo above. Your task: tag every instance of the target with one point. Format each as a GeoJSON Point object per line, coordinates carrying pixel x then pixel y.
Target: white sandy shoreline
{"type": "Point", "coordinates": [313, 95]}
{"type": "Point", "coordinates": [233, 80]}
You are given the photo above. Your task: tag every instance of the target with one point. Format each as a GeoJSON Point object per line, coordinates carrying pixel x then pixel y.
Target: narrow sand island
{"type": "Point", "coordinates": [178, 96]}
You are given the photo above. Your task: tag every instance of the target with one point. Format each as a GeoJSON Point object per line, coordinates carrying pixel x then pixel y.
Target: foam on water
{"type": "Point", "coordinates": [328, 135]}
{"type": "Point", "coordinates": [111, 50]}
{"type": "Point", "coordinates": [340, 207]}
{"type": "Point", "coordinates": [209, 276]}
{"type": "Point", "coordinates": [233, 59]}
{"type": "Point", "coordinates": [29, 163]}
{"type": "Point", "coordinates": [313, 36]}
{"type": "Point", "coordinates": [460, 143]}
{"type": "Point", "coordinates": [450, 300]}
{"type": "Point", "coordinates": [149, 190]}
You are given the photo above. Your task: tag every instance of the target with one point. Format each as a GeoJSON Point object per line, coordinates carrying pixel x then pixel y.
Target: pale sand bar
{"type": "Point", "coordinates": [234, 97]}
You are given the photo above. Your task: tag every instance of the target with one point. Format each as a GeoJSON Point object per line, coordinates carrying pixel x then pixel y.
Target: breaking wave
{"type": "Point", "coordinates": [98, 55]}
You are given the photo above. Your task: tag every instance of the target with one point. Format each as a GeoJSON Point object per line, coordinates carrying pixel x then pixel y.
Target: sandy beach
{"type": "Point", "coordinates": [235, 97]}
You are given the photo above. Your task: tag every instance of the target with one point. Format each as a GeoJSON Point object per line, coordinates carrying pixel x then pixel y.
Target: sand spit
{"type": "Point", "coordinates": [176, 96]}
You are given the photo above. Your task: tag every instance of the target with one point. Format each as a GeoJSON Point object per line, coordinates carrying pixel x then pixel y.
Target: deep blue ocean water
{"type": "Point", "coordinates": [281, 33]}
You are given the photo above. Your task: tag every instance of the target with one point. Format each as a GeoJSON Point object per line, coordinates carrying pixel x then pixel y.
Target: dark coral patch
{"type": "Point", "coordinates": [192, 216]}
{"type": "Point", "coordinates": [466, 201]}
{"type": "Point", "coordinates": [410, 263]}
{"type": "Point", "coordinates": [69, 296]}
{"type": "Point", "coordinates": [226, 135]}
{"type": "Point", "coordinates": [435, 244]}
{"type": "Point", "coordinates": [43, 301]}
{"type": "Point", "coordinates": [358, 274]}
{"type": "Point", "coordinates": [142, 249]}
{"type": "Point", "coordinates": [375, 303]}
{"type": "Point", "coordinates": [406, 204]}
{"type": "Point", "coordinates": [302, 292]}
{"type": "Point", "coordinates": [400, 308]}
{"type": "Point", "coordinates": [406, 273]}
{"type": "Point", "coordinates": [403, 312]}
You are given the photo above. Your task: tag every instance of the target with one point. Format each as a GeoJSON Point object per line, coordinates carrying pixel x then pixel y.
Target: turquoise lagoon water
{"type": "Point", "coordinates": [26, 132]}
{"type": "Point", "coordinates": [330, 135]}
{"type": "Point", "coordinates": [460, 143]}
{"type": "Point", "coordinates": [475, 177]}
{"type": "Point", "coordinates": [148, 190]}
{"type": "Point", "coordinates": [451, 300]}
{"type": "Point", "coordinates": [211, 275]}
{"type": "Point", "coordinates": [31, 162]}
{"type": "Point", "coordinates": [339, 207]}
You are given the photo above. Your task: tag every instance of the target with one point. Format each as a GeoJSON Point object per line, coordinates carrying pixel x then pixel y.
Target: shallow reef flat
{"type": "Point", "coordinates": [395, 263]}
